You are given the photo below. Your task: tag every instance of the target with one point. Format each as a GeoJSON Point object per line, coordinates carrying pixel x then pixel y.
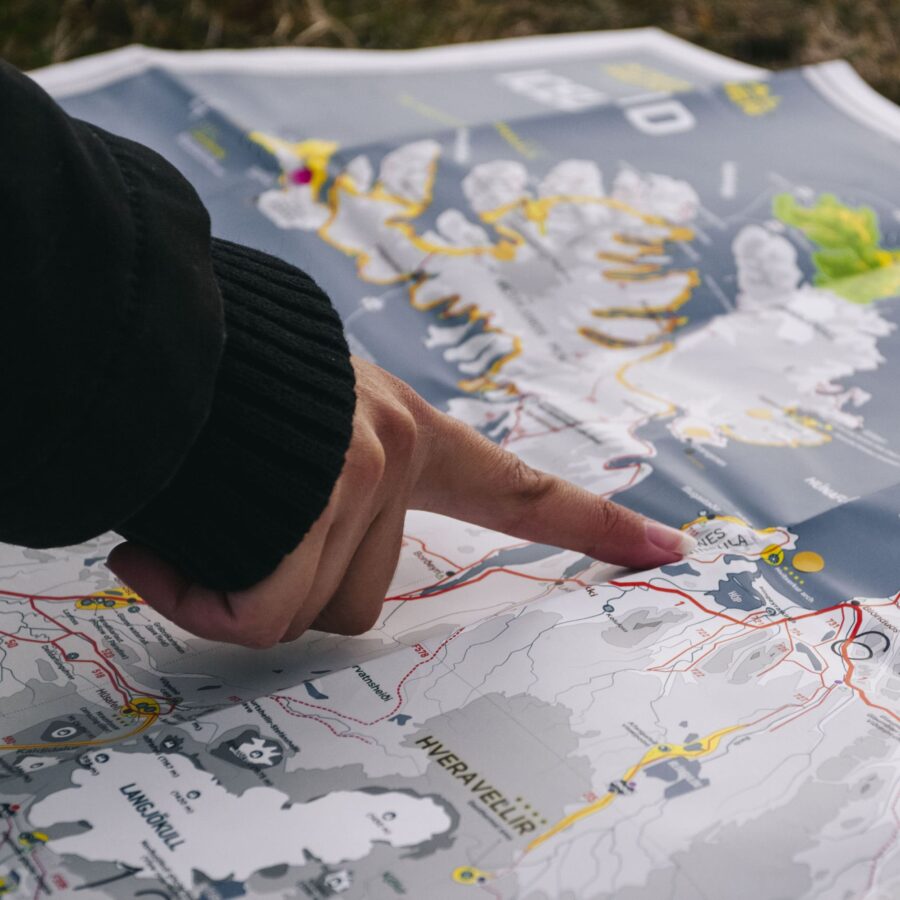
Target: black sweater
{"type": "Point", "coordinates": [192, 394]}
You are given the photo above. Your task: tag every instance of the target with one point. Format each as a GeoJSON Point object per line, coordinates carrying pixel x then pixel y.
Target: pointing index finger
{"type": "Point", "coordinates": [468, 477]}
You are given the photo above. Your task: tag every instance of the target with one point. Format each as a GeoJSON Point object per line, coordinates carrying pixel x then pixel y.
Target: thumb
{"type": "Point", "coordinates": [468, 477]}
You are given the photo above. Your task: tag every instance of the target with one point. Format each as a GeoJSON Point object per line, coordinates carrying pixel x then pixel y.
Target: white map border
{"type": "Point", "coordinates": [92, 72]}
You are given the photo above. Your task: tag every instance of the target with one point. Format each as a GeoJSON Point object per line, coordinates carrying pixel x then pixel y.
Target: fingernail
{"type": "Point", "coordinates": [670, 539]}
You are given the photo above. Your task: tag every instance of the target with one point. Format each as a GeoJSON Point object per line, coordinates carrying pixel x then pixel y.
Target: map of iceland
{"type": "Point", "coordinates": [531, 289]}
{"type": "Point", "coordinates": [648, 283]}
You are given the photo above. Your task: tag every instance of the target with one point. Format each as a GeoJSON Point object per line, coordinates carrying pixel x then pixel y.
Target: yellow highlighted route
{"type": "Point", "coordinates": [659, 752]}
{"type": "Point", "coordinates": [146, 722]}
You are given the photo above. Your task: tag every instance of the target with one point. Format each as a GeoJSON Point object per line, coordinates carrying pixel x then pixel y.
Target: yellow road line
{"type": "Point", "coordinates": [97, 742]}
{"type": "Point", "coordinates": [654, 754]}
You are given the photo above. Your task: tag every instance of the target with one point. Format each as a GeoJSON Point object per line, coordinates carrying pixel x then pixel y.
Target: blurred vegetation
{"type": "Point", "coordinates": [772, 33]}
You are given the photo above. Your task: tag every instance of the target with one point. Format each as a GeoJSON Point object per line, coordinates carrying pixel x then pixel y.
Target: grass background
{"type": "Point", "coordinates": [772, 33]}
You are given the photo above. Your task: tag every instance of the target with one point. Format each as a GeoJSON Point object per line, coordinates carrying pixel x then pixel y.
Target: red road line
{"type": "Point", "coordinates": [400, 684]}
{"type": "Point", "coordinates": [481, 577]}
{"type": "Point", "coordinates": [7, 593]}
{"type": "Point", "coordinates": [885, 847]}
{"type": "Point", "coordinates": [789, 651]}
{"type": "Point", "coordinates": [700, 643]}
{"type": "Point", "coordinates": [117, 674]}
{"type": "Point", "coordinates": [851, 668]}
{"type": "Point", "coordinates": [425, 548]}
{"type": "Point", "coordinates": [809, 707]}
{"type": "Point", "coordinates": [460, 569]}
{"type": "Point", "coordinates": [116, 678]}
{"type": "Point", "coordinates": [854, 631]}
{"type": "Point", "coordinates": [290, 712]}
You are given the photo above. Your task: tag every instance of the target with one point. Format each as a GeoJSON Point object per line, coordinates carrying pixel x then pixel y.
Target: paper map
{"type": "Point", "coordinates": [666, 276]}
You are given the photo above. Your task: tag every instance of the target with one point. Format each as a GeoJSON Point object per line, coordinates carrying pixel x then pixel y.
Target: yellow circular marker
{"type": "Point", "coordinates": [504, 251]}
{"type": "Point", "coordinates": [30, 838]}
{"type": "Point", "coordinates": [112, 598]}
{"type": "Point", "coordinates": [469, 875]}
{"type": "Point", "coordinates": [694, 431]}
{"type": "Point", "coordinates": [808, 561]}
{"type": "Point", "coordinates": [773, 555]}
{"type": "Point", "coordinates": [141, 706]}
{"type": "Point", "coordinates": [760, 413]}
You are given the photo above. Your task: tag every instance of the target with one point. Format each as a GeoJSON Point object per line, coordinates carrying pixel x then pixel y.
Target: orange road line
{"type": "Point", "coordinates": [97, 742]}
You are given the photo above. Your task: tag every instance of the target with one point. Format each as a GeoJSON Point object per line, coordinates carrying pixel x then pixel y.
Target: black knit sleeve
{"type": "Point", "coordinates": [112, 323]}
{"type": "Point", "coordinates": [194, 395]}
{"type": "Point", "coordinates": [264, 465]}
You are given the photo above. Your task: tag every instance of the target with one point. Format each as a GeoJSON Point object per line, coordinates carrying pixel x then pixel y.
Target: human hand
{"type": "Point", "coordinates": [403, 454]}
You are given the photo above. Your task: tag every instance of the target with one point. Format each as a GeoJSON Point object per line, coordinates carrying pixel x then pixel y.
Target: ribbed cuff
{"type": "Point", "coordinates": [266, 461]}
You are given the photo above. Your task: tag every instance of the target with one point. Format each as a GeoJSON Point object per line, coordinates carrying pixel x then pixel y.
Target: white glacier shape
{"type": "Point", "coordinates": [494, 184]}
{"type": "Point", "coordinates": [573, 177]}
{"type": "Point", "coordinates": [407, 172]}
{"type": "Point", "coordinates": [673, 199]}
{"type": "Point", "coordinates": [767, 267]}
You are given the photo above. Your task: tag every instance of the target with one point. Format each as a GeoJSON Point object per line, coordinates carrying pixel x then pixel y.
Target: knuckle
{"type": "Point", "coordinates": [525, 487]}
{"type": "Point", "coordinates": [405, 394]}
{"type": "Point", "coordinates": [293, 633]}
{"type": "Point", "coordinates": [363, 619]}
{"type": "Point", "coordinates": [525, 483]}
{"type": "Point", "coordinates": [606, 520]}
{"type": "Point", "coordinates": [351, 613]}
{"type": "Point", "coordinates": [375, 463]}
{"type": "Point", "coordinates": [259, 636]}
{"type": "Point", "coordinates": [399, 433]}
{"type": "Point", "coordinates": [366, 461]}
{"type": "Point", "coordinates": [260, 641]}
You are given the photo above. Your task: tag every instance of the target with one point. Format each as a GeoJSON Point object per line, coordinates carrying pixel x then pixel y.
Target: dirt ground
{"type": "Point", "coordinates": [774, 33]}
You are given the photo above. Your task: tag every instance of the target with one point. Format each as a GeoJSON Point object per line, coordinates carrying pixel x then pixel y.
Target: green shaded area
{"type": "Point", "coordinates": [850, 260]}
{"type": "Point", "coordinates": [775, 33]}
